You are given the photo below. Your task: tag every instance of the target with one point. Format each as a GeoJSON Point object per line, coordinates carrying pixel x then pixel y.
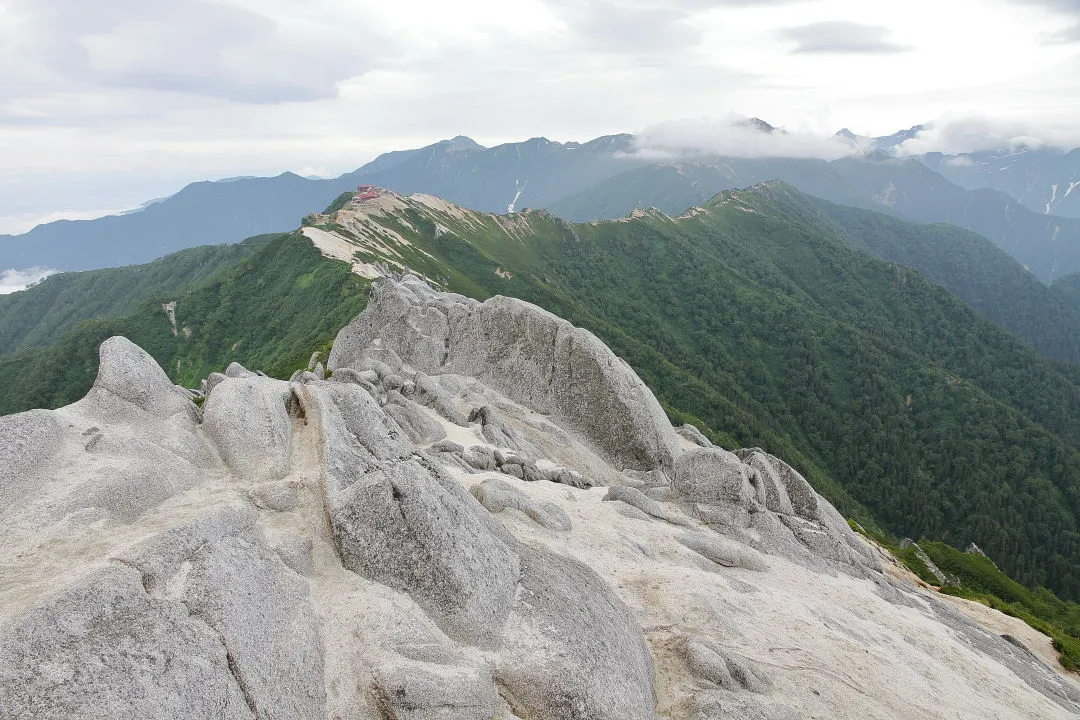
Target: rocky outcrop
{"type": "Point", "coordinates": [709, 661]}
{"type": "Point", "coordinates": [712, 476]}
{"type": "Point", "coordinates": [415, 531]}
{"type": "Point", "coordinates": [128, 375]}
{"type": "Point", "coordinates": [180, 670]}
{"type": "Point", "coordinates": [524, 352]}
{"type": "Point", "coordinates": [973, 549]}
{"type": "Point", "coordinates": [772, 489]}
{"type": "Point", "coordinates": [564, 661]}
{"type": "Point", "coordinates": [723, 551]}
{"type": "Point", "coordinates": [635, 498]}
{"type": "Point", "coordinates": [766, 504]}
{"type": "Point", "coordinates": [247, 419]}
{"type": "Point", "coordinates": [399, 521]}
{"type": "Point", "coordinates": [693, 435]}
{"type": "Point", "coordinates": [200, 621]}
{"type": "Point", "coordinates": [930, 565]}
{"type": "Point", "coordinates": [415, 690]}
{"type": "Point", "coordinates": [29, 441]}
{"type": "Point", "coordinates": [216, 617]}
{"type": "Point", "coordinates": [419, 536]}
{"type": "Point", "coordinates": [497, 495]}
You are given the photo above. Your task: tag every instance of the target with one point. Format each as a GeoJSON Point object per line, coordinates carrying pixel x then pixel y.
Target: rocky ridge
{"type": "Point", "coordinates": [481, 513]}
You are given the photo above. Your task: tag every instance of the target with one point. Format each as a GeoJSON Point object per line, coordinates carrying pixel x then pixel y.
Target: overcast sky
{"type": "Point", "coordinates": [109, 103]}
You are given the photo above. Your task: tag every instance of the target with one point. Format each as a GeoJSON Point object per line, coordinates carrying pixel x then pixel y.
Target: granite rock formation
{"type": "Point", "coordinates": [482, 513]}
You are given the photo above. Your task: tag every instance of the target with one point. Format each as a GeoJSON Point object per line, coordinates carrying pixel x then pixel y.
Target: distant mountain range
{"type": "Point", "coordinates": [535, 173]}
{"type": "Point", "coordinates": [203, 213]}
{"type": "Point", "coordinates": [604, 178]}
{"type": "Point", "coordinates": [885, 143]}
{"type": "Point", "coordinates": [1043, 179]}
{"type": "Point", "coordinates": [1048, 246]}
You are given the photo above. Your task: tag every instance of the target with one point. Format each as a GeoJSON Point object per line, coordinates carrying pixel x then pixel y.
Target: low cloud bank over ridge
{"type": "Point", "coordinates": [15, 280]}
{"type": "Point", "coordinates": [738, 136]}
{"type": "Point", "coordinates": [958, 135]}
{"type": "Point", "coordinates": [735, 136]}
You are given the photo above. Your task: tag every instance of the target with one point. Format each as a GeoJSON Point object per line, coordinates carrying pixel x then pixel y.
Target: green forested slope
{"type": "Point", "coordinates": [268, 311]}
{"type": "Point", "coordinates": [966, 264]}
{"type": "Point", "coordinates": [37, 316]}
{"type": "Point", "coordinates": [1067, 288]}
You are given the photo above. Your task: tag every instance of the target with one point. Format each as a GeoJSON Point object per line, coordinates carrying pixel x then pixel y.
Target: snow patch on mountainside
{"type": "Point", "coordinates": [519, 188]}
{"type": "Point", "coordinates": [1053, 198]}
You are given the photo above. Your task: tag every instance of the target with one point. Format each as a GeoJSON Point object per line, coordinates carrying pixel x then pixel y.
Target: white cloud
{"type": "Point", "coordinates": [734, 136]}
{"type": "Point", "coordinates": [842, 36]}
{"type": "Point", "coordinates": [643, 27]}
{"type": "Point", "coordinates": [972, 134]}
{"type": "Point", "coordinates": [12, 281]}
{"type": "Point", "coordinates": [1069, 9]}
{"type": "Point", "coordinates": [195, 47]}
{"type": "Point", "coordinates": [960, 161]}
{"type": "Point", "coordinates": [108, 103]}
{"type": "Point", "coordinates": [1070, 34]}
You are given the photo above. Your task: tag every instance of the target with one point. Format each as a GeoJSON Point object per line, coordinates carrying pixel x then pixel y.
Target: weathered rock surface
{"type": "Point", "coordinates": [522, 351]}
{"type": "Point", "coordinates": [399, 521]}
{"type": "Point", "coordinates": [29, 440]}
{"type": "Point", "coordinates": [765, 503]}
{"type": "Point", "coordinates": [723, 551]}
{"type": "Point", "coordinates": [497, 495]}
{"type": "Point", "coordinates": [127, 373]}
{"type": "Point", "coordinates": [343, 547]}
{"type": "Point", "coordinates": [105, 648]}
{"type": "Point", "coordinates": [247, 419]}
{"type": "Point", "coordinates": [402, 527]}
{"type": "Point", "coordinates": [417, 424]}
{"type": "Point", "coordinates": [565, 661]}
{"type": "Point", "coordinates": [773, 488]}
{"type": "Point", "coordinates": [635, 498]}
{"type": "Point", "coordinates": [413, 690]}
{"type": "Point", "coordinates": [199, 621]}
{"type": "Point", "coordinates": [710, 662]}
{"type": "Point", "coordinates": [691, 433]}
{"type": "Point", "coordinates": [713, 476]}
